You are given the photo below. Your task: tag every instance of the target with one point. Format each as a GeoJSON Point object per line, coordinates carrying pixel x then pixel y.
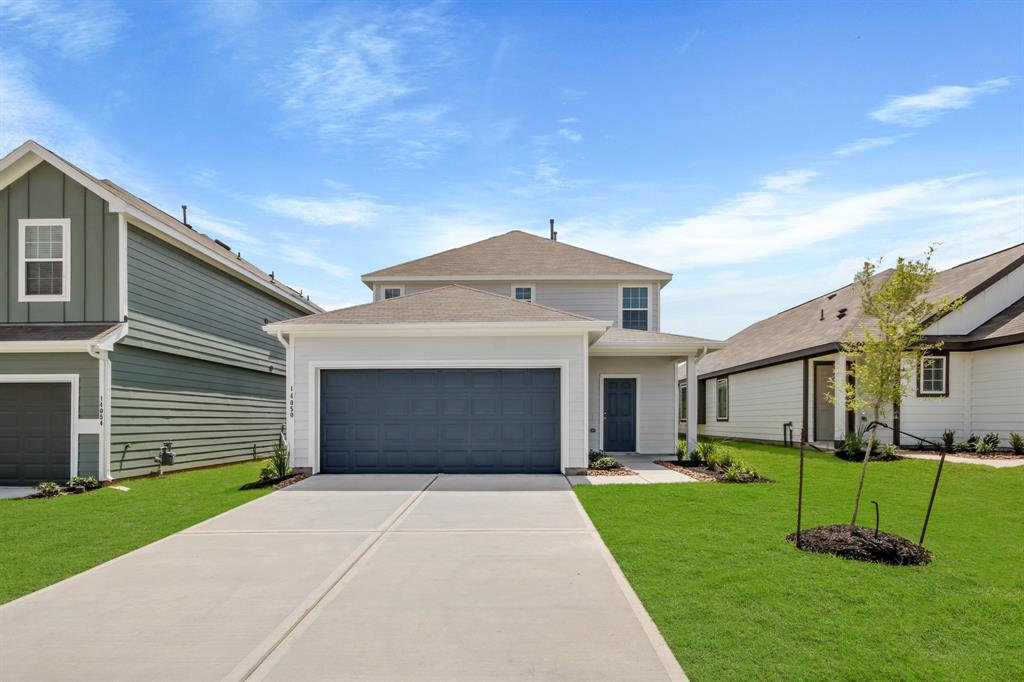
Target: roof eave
{"type": "Point", "coordinates": [520, 328]}
{"type": "Point", "coordinates": [371, 278]}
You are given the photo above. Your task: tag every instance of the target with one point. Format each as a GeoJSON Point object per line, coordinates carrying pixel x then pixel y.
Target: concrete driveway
{"type": "Point", "coordinates": [353, 578]}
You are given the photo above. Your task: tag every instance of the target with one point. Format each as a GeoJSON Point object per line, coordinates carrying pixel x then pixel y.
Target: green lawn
{"type": "Point", "coordinates": [734, 600]}
{"type": "Point", "coordinates": [43, 541]}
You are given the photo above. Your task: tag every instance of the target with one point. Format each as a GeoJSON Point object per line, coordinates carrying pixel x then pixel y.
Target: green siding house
{"type": "Point", "coordinates": [122, 328]}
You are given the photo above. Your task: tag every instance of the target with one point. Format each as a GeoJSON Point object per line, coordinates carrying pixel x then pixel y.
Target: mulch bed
{"type": "Point", "coordinates": [620, 470]}
{"type": "Point", "coordinates": [966, 453]}
{"type": "Point", "coordinates": [860, 544]}
{"type": "Point", "coordinates": [276, 483]}
{"type": "Point", "coordinates": [703, 473]}
{"type": "Point", "coordinates": [859, 456]}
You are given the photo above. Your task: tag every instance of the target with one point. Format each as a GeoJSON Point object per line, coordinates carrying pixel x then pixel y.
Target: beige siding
{"type": "Point", "coordinates": [760, 402]}
{"type": "Point", "coordinates": [490, 351]}
{"type": "Point", "coordinates": [656, 401]}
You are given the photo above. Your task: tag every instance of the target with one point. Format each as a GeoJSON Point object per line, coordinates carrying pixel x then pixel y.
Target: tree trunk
{"type": "Point", "coordinates": [864, 469]}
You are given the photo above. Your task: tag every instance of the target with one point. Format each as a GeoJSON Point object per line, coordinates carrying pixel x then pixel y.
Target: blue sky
{"type": "Point", "coordinates": [759, 151]}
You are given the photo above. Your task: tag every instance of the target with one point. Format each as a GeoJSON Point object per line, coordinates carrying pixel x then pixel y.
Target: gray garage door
{"type": "Point", "coordinates": [35, 433]}
{"type": "Point", "coordinates": [448, 420]}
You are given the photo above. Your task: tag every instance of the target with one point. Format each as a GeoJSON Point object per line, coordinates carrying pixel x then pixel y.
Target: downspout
{"type": "Point", "coordinates": [289, 415]}
{"type": "Point", "coordinates": [103, 466]}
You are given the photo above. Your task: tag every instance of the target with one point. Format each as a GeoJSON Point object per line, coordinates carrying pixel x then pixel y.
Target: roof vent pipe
{"type": "Point", "coordinates": [554, 235]}
{"type": "Point", "coordinates": [184, 215]}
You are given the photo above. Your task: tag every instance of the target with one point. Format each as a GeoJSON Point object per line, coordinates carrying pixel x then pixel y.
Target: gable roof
{"type": "Point", "coordinates": [821, 324]}
{"type": "Point", "coordinates": [22, 159]}
{"type": "Point", "coordinates": [451, 304]}
{"type": "Point", "coordinates": [516, 255]}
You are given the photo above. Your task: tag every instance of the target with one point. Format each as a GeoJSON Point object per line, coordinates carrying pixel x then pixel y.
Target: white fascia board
{"type": "Point", "coordinates": [78, 346]}
{"type": "Point", "coordinates": [107, 340]}
{"type": "Point", "coordinates": [659, 349]}
{"type": "Point", "coordinates": [664, 279]}
{"type": "Point", "coordinates": [436, 329]}
{"type": "Point", "coordinates": [16, 161]}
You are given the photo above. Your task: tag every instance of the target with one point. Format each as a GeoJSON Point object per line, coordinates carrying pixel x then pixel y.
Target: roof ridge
{"type": "Point", "coordinates": [439, 253]}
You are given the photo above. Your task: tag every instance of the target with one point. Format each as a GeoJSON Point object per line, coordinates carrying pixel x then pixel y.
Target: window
{"type": "Point", "coordinates": [523, 292]}
{"type": "Point", "coordinates": [392, 292]}
{"type": "Point", "coordinates": [722, 411]}
{"type": "Point", "coordinates": [682, 401]}
{"type": "Point", "coordinates": [634, 308]}
{"type": "Point", "coordinates": [44, 263]}
{"type": "Point", "coordinates": [933, 375]}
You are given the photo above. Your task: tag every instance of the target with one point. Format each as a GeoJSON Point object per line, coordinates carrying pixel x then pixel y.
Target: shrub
{"type": "Point", "coordinates": [888, 450]}
{"type": "Point", "coordinates": [706, 448]}
{"type": "Point", "coordinates": [604, 462]}
{"type": "Point", "coordinates": [854, 442]}
{"type": "Point", "coordinates": [48, 488]}
{"type": "Point", "coordinates": [738, 471]}
{"type": "Point", "coordinates": [1017, 443]}
{"type": "Point", "coordinates": [991, 439]}
{"type": "Point", "coordinates": [972, 441]}
{"type": "Point", "coordinates": [962, 447]}
{"type": "Point", "coordinates": [983, 447]}
{"type": "Point", "coordinates": [277, 466]}
{"type": "Point", "coordinates": [594, 456]}
{"type": "Point", "coordinates": [949, 439]}
{"type": "Point", "coordinates": [87, 482]}
{"type": "Point", "coordinates": [695, 457]}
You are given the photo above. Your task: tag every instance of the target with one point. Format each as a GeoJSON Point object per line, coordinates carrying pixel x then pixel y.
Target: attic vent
{"type": "Point", "coordinates": [222, 244]}
{"type": "Point", "coordinates": [822, 314]}
{"type": "Point", "coordinates": [831, 296]}
{"type": "Point", "coordinates": [841, 313]}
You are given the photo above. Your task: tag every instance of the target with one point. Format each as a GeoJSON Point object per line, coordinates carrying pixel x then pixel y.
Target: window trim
{"type": "Point", "coordinates": [523, 285]}
{"type": "Point", "coordinates": [65, 295]}
{"type": "Point", "coordinates": [682, 400]}
{"type": "Point", "coordinates": [944, 393]}
{"type": "Point", "coordinates": [718, 400]}
{"type": "Point", "coordinates": [631, 285]}
{"type": "Point", "coordinates": [384, 292]}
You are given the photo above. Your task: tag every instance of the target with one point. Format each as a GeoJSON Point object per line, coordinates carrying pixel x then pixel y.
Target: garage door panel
{"type": "Point", "coordinates": [35, 432]}
{"type": "Point", "coordinates": [448, 420]}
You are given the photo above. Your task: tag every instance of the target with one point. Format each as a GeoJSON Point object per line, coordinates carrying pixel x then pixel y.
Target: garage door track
{"type": "Point", "coordinates": [370, 577]}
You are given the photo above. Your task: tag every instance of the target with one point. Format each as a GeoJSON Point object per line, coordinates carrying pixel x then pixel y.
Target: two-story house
{"type": "Point", "coordinates": [515, 354]}
{"type": "Point", "coordinates": [122, 328]}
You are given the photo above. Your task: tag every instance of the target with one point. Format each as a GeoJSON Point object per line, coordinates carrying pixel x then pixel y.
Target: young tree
{"type": "Point", "coordinates": [888, 354]}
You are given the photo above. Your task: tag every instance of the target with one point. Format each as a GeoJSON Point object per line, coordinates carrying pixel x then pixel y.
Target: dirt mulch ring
{"type": "Point", "coordinates": [276, 483]}
{"type": "Point", "coordinates": [620, 470]}
{"type": "Point", "coordinates": [860, 544]}
{"type": "Point", "coordinates": [711, 475]}
{"type": "Point", "coordinates": [966, 453]}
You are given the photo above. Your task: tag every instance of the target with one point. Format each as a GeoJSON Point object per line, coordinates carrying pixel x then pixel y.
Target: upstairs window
{"type": "Point", "coordinates": [634, 308]}
{"type": "Point", "coordinates": [392, 292]}
{"type": "Point", "coordinates": [722, 409]}
{"type": "Point", "coordinates": [44, 260]}
{"type": "Point", "coordinates": [934, 375]}
{"type": "Point", "coordinates": [523, 292]}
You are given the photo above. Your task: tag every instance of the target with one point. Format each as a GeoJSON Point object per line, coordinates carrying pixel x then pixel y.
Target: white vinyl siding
{"type": "Point", "coordinates": [549, 351]}
{"type": "Point", "coordinates": [760, 402]}
{"type": "Point", "coordinates": [997, 390]}
{"type": "Point", "coordinates": [987, 304]}
{"type": "Point", "coordinates": [655, 401]}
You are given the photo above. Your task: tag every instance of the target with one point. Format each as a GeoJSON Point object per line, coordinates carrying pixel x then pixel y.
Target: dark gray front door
{"type": "Point", "coordinates": [620, 415]}
{"type": "Point", "coordinates": [440, 420]}
{"type": "Point", "coordinates": [35, 433]}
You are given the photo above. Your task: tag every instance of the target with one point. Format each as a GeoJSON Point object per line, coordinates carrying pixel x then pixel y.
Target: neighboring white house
{"type": "Point", "coordinates": [513, 354]}
{"type": "Point", "coordinates": [776, 371]}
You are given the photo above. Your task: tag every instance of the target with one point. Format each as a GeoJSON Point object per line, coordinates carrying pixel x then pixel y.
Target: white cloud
{"type": "Point", "coordinates": [866, 144]}
{"type": "Point", "coordinates": [75, 29]}
{"type": "Point", "coordinates": [299, 255]}
{"type": "Point", "coordinates": [234, 230]}
{"type": "Point", "coordinates": [336, 211]}
{"type": "Point", "coordinates": [788, 180]}
{"type": "Point", "coordinates": [568, 120]}
{"type": "Point", "coordinates": [921, 109]}
{"type": "Point", "coordinates": [571, 135]}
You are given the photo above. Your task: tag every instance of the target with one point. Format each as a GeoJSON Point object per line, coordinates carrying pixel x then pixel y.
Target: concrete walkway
{"type": "Point", "coordinates": [646, 471]}
{"type": "Point", "coordinates": [353, 578]}
{"type": "Point", "coordinates": [12, 492]}
{"type": "Point", "coordinates": [956, 459]}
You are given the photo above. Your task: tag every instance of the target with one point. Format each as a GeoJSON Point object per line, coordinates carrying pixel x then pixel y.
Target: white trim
{"type": "Point", "coordinates": [523, 285]}
{"type": "Point", "coordinates": [122, 267]}
{"type": "Point", "coordinates": [105, 342]}
{"type": "Point", "coordinates": [652, 350]}
{"type": "Point", "coordinates": [647, 309]}
{"type": "Point", "coordinates": [143, 220]}
{"type": "Point", "coordinates": [384, 292]}
{"type": "Point", "coordinates": [728, 401]}
{"type": "Point", "coordinates": [315, 366]}
{"type": "Point", "coordinates": [65, 259]}
{"type": "Point", "coordinates": [945, 375]}
{"type": "Point", "coordinates": [636, 415]}
{"type": "Point", "coordinates": [538, 276]}
{"type": "Point", "coordinates": [71, 379]}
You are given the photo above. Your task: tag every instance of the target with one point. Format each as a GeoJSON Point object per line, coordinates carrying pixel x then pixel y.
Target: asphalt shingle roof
{"type": "Point", "coordinates": [56, 331]}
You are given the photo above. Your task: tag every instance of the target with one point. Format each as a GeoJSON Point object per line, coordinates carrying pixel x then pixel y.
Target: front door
{"type": "Point", "coordinates": [824, 411]}
{"type": "Point", "coordinates": [620, 415]}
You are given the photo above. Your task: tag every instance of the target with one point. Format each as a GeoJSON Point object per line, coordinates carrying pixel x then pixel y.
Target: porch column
{"type": "Point", "coordinates": [692, 392]}
{"type": "Point", "coordinates": [840, 393]}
